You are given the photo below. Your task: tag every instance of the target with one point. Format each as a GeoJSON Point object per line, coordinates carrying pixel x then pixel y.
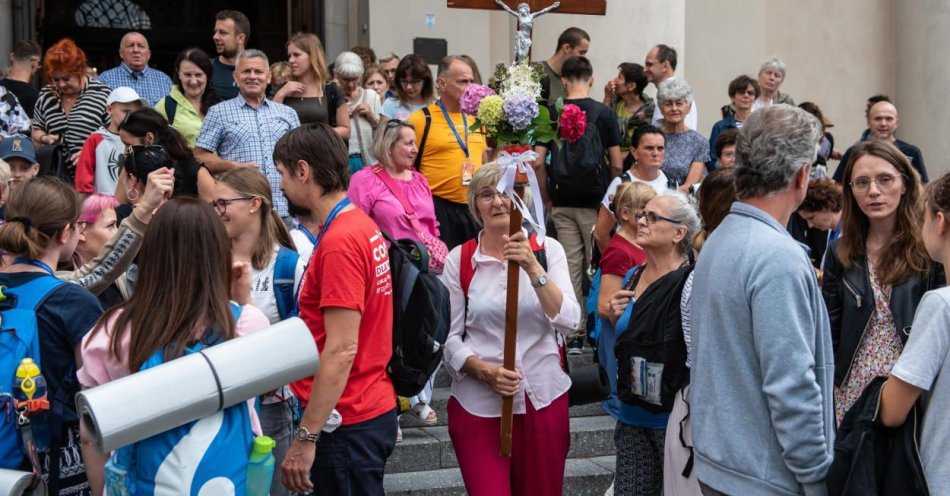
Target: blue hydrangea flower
{"type": "Point", "coordinates": [520, 110]}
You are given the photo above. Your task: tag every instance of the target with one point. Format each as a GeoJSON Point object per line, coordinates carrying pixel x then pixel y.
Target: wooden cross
{"type": "Point", "coordinates": [589, 7]}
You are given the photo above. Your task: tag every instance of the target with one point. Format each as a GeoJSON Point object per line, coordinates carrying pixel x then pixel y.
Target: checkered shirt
{"type": "Point", "coordinates": [239, 132]}
{"type": "Point", "coordinates": [150, 84]}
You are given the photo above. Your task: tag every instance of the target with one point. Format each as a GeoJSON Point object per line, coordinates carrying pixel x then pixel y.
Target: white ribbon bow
{"type": "Point", "coordinates": [510, 165]}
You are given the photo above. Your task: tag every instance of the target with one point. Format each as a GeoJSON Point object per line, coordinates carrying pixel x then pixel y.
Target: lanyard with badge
{"type": "Point", "coordinates": [468, 168]}
{"type": "Point", "coordinates": [326, 225]}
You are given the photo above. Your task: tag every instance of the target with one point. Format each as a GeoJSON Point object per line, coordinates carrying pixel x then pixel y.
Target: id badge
{"type": "Point", "coordinates": [468, 170]}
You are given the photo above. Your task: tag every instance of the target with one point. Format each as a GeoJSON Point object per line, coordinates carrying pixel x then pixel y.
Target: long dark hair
{"type": "Point", "coordinates": [198, 57]}
{"type": "Point", "coordinates": [416, 67]}
{"type": "Point", "coordinates": [146, 120]}
{"type": "Point", "coordinates": [905, 255]}
{"type": "Point", "coordinates": [182, 292]}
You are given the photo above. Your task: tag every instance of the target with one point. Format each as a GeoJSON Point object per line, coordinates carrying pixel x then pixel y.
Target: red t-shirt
{"type": "Point", "coordinates": [620, 256]}
{"type": "Point", "coordinates": [350, 270]}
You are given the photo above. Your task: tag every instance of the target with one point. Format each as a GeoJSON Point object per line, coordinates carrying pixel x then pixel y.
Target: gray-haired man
{"type": "Point", "coordinates": [763, 421]}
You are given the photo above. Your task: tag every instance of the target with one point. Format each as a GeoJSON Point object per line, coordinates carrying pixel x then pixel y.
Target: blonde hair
{"type": "Point", "coordinates": [311, 45]}
{"type": "Point", "coordinates": [629, 197]}
{"type": "Point", "coordinates": [5, 177]}
{"type": "Point", "coordinates": [250, 182]}
{"type": "Point", "coordinates": [487, 176]}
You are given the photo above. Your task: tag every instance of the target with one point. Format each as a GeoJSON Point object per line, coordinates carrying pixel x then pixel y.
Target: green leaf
{"type": "Point", "coordinates": [475, 125]}
{"type": "Point", "coordinates": [559, 105]}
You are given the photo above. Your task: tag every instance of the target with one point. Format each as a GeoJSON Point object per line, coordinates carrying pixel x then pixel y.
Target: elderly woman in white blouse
{"type": "Point", "coordinates": [476, 275]}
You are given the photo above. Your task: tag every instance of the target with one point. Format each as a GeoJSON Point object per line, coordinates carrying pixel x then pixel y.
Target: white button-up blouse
{"type": "Point", "coordinates": [481, 332]}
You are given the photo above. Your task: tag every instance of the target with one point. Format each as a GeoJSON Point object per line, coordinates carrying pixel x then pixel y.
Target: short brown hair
{"type": "Point", "coordinates": [416, 67]}
{"type": "Point", "coordinates": [571, 37]}
{"type": "Point", "coordinates": [716, 197]}
{"type": "Point", "coordinates": [824, 195]}
{"type": "Point", "coordinates": [741, 83]}
{"type": "Point", "coordinates": [323, 149]}
{"type": "Point", "coordinates": [728, 137]}
{"type": "Point", "coordinates": [241, 23]}
{"type": "Point", "coordinates": [26, 49]}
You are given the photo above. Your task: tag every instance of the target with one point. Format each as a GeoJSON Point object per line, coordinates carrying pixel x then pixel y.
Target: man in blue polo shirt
{"type": "Point", "coordinates": [134, 72]}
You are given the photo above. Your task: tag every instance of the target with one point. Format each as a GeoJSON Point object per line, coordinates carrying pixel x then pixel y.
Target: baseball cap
{"type": "Point", "coordinates": [18, 146]}
{"type": "Point", "coordinates": [124, 94]}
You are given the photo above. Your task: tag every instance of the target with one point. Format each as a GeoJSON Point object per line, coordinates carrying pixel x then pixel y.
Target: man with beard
{"type": "Point", "coordinates": [231, 31]}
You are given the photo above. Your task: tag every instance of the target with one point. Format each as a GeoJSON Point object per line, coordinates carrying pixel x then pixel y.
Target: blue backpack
{"type": "Point", "coordinates": [285, 272]}
{"type": "Point", "coordinates": [19, 339]}
{"type": "Point", "coordinates": [206, 456]}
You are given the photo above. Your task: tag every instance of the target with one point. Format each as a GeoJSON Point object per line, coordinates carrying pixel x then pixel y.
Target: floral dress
{"type": "Point", "coordinates": [877, 352]}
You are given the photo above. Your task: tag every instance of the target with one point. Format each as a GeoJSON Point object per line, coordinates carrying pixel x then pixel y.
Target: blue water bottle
{"type": "Point", "coordinates": [260, 466]}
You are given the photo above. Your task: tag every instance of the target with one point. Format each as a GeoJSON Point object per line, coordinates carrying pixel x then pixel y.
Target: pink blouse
{"type": "Point", "coordinates": [371, 195]}
{"type": "Point", "coordinates": [100, 367]}
{"type": "Point", "coordinates": [483, 327]}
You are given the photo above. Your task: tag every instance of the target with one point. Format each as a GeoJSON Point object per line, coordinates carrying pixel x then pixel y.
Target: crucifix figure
{"type": "Point", "coordinates": [525, 25]}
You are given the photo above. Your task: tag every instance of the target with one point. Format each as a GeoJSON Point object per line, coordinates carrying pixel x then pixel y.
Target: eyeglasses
{"type": "Point", "coordinates": [883, 181]}
{"type": "Point", "coordinates": [142, 151]}
{"type": "Point", "coordinates": [412, 82]}
{"type": "Point", "coordinates": [221, 204]}
{"type": "Point", "coordinates": [653, 218]}
{"type": "Point", "coordinates": [489, 196]}
{"type": "Point", "coordinates": [745, 92]}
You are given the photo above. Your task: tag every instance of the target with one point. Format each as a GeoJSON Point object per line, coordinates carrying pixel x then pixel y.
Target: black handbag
{"type": "Point", "coordinates": [54, 161]}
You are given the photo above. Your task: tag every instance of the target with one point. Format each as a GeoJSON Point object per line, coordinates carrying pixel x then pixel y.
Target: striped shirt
{"type": "Point", "coordinates": [150, 84]}
{"type": "Point", "coordinates": [87, 115]}
{"type": "Point", "coordinates": [239, 132]}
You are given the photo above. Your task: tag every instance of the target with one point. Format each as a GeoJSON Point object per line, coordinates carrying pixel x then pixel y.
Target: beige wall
{"type": "Point", "coordinates": [838, 53]}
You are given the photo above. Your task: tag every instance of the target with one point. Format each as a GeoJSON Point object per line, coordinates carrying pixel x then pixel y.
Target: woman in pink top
{"type": "Point", "coordinates": [371, 191]}
{"type": "Point", "coordinates": [186, 245]}
{"type": "Point", "coordinates": [474, 350]}
{"type": "Point", "coordinates": [395, 148]}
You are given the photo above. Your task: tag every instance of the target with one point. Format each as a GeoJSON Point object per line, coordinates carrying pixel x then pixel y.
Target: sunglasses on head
{"type": "Point", "coordinates": [141, 151]}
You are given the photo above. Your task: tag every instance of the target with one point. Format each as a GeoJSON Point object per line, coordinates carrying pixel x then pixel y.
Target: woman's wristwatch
{"type": "Point", "coordinates": [542, 280]}
{"type": "Point", "coordinates": [304, 434]}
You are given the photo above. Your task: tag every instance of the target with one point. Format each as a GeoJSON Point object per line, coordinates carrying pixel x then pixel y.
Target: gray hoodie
{"type": "Point", "coordinates": [761, 398]}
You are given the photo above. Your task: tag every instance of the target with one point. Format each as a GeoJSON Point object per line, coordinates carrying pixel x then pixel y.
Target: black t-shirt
{"type": "Point", "coordinates": [25, 93]}
{"type": "Point", "coordinates": [910, 151]}
{"type": "Point", "coordinates": [605, 121]}
{"type": "Point", "coordinates": [64, 318]}
{"type": "Point", "coordinates": [222, 79]}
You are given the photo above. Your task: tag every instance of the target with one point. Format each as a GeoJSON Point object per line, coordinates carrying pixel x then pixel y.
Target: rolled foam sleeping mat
{"type": "Point", "coordinates": [16, 483]}
{"type": "Point", "coordinates": [155, 400]}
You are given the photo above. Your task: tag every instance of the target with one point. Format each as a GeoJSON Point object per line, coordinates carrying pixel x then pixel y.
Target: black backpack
{"type": "Point", "coordinates": [421, 316]}
{"type": "Point", "coordinates": [651, 353]}
{"type": "Point", "coordinates": [579, 173]}
{"type": "Point", "coordinates": [54, 162]}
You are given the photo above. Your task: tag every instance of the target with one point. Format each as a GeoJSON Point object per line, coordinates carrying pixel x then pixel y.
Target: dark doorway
{"type": "Point", "coordinates": [172, 25]}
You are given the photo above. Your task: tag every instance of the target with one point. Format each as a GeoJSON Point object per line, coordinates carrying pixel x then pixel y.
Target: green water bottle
{"type": "Point", "coordinates": [260, 466]}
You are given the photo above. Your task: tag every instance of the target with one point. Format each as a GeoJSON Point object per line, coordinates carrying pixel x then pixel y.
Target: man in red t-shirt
{"type": "Point", "coordinates": [346, 301]}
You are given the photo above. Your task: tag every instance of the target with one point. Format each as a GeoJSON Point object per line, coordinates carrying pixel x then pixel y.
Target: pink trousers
{"type": "Point", "coordinates": [540, 441]}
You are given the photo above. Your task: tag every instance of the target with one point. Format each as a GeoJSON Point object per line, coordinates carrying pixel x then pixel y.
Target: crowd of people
{"type": "Point", "coordinates": [743, 301]}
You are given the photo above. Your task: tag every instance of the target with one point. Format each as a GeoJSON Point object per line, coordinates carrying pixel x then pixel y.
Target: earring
{"type": "Point", "coordinates": [129, 194]}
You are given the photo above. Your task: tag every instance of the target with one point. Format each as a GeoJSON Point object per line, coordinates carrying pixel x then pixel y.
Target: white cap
{"type": "Point", "coordinates": [124, 94]}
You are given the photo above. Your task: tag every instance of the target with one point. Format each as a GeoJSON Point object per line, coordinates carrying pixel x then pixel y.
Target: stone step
{"type": "Point", "coordinates": [440, 399]}
{"type": "Point", "coordinates": [582, 477]}
{"type": "Point", "coordinates": [430, 448]}
{"type": "Point", "coordinates": [444, 379]}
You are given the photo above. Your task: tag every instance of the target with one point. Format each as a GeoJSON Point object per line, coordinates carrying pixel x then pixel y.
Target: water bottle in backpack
{"type": "Point", "coordinates": [260, 466]}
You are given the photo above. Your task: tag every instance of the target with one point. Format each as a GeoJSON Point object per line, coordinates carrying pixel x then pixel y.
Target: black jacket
{"type": "Point", "coordinates": [850, 303]}
{"type": "Point", "coordinates": [871, 459]}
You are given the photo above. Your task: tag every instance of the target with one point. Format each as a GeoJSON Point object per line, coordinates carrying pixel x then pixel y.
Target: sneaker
{"type": "Point", "coordinates": [575, 346]}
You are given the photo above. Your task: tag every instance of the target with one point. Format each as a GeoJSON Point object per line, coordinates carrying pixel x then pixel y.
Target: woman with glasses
{"type": "Point", "coordinates": [877, 271]}
{"type": "Point", "coordinates": [474, 351]}
{"type": "Point", "coordinates": [42, 230]}
{"type": "Point", "coordinates": [413, 86]}
{"type": "Point", "coordinates": [363, 106]}
{"type": "Point", "coordinates": [259, 238]}
{"type": "Point", "coordinates": [665, 230]}
{"type": "Point", "coordinates": [686, 150]}
{"type": "Point", "coordinates": [153, 143]}
{"type": "Point", "coordinates": [743, 91]}
{"type": "Point", "coordinates": [310, 92]}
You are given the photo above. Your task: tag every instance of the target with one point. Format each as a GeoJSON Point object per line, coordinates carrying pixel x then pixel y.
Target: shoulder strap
{"type": "Point", "coordinates": [425, 135]}
{"type": "Point", "coordinates": [32, 294]}
{"type": "Point", "coordinates": [401, 197]}
{"type": "Point", "coordinates": [538, 250]}
{"type": "Point", "coordinates": [285, 270]}
{"type": "Point", "coordinates": [626, 177]}
{"type": "Point", "coordinates": [466, 271]}
{"type": "Point", "coordinates": [306, 232]}
{"type": "Point", "coordinates": [171, 107]}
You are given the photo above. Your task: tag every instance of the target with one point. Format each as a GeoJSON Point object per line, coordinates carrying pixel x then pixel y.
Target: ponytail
{"type": "Point", "coordinates": [37, 212]}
